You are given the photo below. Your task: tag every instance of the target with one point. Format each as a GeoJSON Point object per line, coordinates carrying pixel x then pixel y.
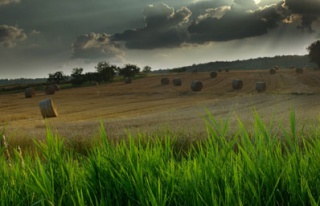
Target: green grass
{"type": "Point", "coordinates": [256, 167]}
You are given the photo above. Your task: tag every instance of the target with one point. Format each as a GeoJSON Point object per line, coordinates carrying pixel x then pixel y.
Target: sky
{"type": "Point", "coordinates": [38, 37]}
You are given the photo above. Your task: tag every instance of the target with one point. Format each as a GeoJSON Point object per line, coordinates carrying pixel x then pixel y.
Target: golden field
{"type": "Point", "coordinates": [147, 106]}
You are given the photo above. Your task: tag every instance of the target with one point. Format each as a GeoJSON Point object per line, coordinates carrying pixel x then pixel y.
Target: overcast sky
{"type": "Point", "coordinates": [38, 37]}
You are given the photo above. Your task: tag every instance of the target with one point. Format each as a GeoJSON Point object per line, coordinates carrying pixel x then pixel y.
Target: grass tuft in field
{"type": "Point", "coordinates": [268, 165]}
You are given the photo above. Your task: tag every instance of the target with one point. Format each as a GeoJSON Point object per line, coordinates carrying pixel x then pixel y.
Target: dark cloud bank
{"type": "Point", "coordinates": [10, 35]}
{"type": "Point", "coordinates": [193, 24]}
{"type": "Point", "coordinates": [200, 23]}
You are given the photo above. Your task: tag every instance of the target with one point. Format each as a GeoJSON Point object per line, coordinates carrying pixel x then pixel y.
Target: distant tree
{"type": "Point", "coordinates": [57, 77]}
{"type": "Point", "coordinates": [106, 71]}
{"type": "Point", "coordinates": [314, 52]}
{"type": "Point", "coordinates": [77, 77]}
{"type": "Point", "coordinates": [129, 70]}
{"type": "Point", "coordinates": [92, 77]}
{"type": "Point", "coordinates": [178, 70]}
{"type": "Point", "coordinates": [146, 69]}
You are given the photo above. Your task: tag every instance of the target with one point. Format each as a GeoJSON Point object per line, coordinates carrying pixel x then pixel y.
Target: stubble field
{"type": "Point", "coordinates": [147, 106]}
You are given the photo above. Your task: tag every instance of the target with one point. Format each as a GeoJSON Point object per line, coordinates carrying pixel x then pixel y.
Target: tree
{"type": "Point", "coordinates": [106, 71]}
{"type": "Point", "coordinates": [146, 69]}
{"type": "Point", "coordinates": [92, 77]}
{"type": "Point", "coordinates": [314, 52]}
{"type": "Point", "coordinates": [57, 77]}
{"type": "Point", "coordinates": [77, 76]}
{"type": "Point", "coordinates": [129, 70]}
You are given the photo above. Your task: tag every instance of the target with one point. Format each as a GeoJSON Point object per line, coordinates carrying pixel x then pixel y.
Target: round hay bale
{"type": "Point", "coordinates": [261, 86]}
{"type": "Point", "coordinates": [196, 86]}
{"type": "Point", "coordinates": [50, 89]}
{"type": "Point", "coordinates": [48, 108]}
{"type": "Point", "coordinates": [213, 74]}
{"type": "Point", "coordinates": [272, 71]}
{"type": "Point", "coordinates": [176, 82]}
{"type": "Point", "coordinates": [127, 80]}
{"type": "Point", "coordinates": [56, 87]}
{"type": "Point", "coordinates": [237, 84]}
{"type": "Point", "coordinates": [227, 70]}
{"type": "Point", "coordinates": [299, 70]}
{"type": "Point", "coordinates": [29, 92]}
{"type": "Point", "coordinates": [165, 81]}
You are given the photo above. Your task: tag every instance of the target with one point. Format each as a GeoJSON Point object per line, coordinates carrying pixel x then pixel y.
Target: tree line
{"type": "Point", "coordinates": [105, 72]}
{"type": "Point", "coordinates": [311, 60]}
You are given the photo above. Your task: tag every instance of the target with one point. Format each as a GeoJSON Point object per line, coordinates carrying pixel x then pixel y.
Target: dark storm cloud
{"type": "Point", "coordinates": [205, 21]}
{"type": "Point", "coordinates": [6, 2]}
{"type": "Point", "coordinates": [164, 27]}
{"type": "Point", "coordinates": [209, 21]}
{"type": "Point", "coordinates": [238, 21]}
{"type": "Point", "coordinates": [307, 10]}
{"type": "Point", "coordinates": [10, 35]}
{"type": "Point", "coordinates": [96, 46]}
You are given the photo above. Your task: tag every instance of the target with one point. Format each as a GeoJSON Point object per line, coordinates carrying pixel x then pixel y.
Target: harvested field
{"type": "Point", "coordinates": [148, 106]}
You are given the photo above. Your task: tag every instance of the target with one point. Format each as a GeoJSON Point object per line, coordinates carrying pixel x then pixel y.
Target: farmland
{"type": "Point", "coordinates": [253, 166]}
{"type": "Point", "coordinates": [147, 106]}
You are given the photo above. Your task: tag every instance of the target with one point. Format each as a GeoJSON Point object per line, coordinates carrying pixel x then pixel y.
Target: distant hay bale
{"type": "Point", "coordinates": [261, 86]}
{"type": "Point", "coordinates": [165, 81]}
{"type": "Point", "coordinates": [127, 80]}
{"type": "Point", "coordinates": [196, 85]}
{"type": "Point", "coordinates": [219, 70]}
{"type": "Point", "coordinates": [272, 71]}
{"type": "Point", "coordinates": [299, 70]}
{"type": "Point", "coordinates": [176, 82]}
{"type": "Point", "coordinates": [237, 84]}
{"type": "Point", "coordinates": [213, 74]}
{"type": "Point", "coordinates": [227, 70]}
{"type": "Point", "coordinates": [50, 89]}
{"type": "Point", "coordinates": [56, 87]}
{"type": "Point", "coordinates": [48, 108]}
{"type": "Point", "coordinates": [29, 92]}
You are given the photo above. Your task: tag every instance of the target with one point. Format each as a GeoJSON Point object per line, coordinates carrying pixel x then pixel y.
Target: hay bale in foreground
{"type": "Point", "coordinates": [48, 108]}
{"type": "Point", "coordinates": [176, 82]}
{"type": "Point", "coordinates": [261, 86]}
{"type": "Point", "coordinates": [127, 80]}
{"type": "Point", "coordinates": [29, 92]}
{"type": "Point", "coordinates": [196, 86]}
{"type": "Point", "coordinates": [272, 71]}
{"type": "Point", "coordinates": [165, 81]}
{"type": "Point", "coordinates": [299, 70]}
{"type": "Point", "coordinates": [237, 84]}
{"type": "Point", "coordinates": [50, 89]}
{"type": "Point", "coordinates": [213, 74]}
